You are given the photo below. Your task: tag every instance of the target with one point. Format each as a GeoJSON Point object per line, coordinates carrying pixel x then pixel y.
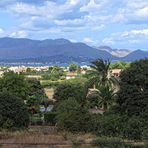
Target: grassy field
{"type": "Point", "coordinates": [42, 137]}
{"type": "Point", "coordinates": [49, 137]}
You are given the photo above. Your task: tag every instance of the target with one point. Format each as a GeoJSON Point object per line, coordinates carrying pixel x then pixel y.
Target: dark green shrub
{"type": "Point", "coordinates": [36, 119]}
{"type": "Point", "coordinates": [133, 128]}
{"type": "Point", "coordinates": [133, 94]}
{"type": "Point", "coordinates": [109, 125]}
{"type": "Point", "coordinates": [13, 112]}
{"type": "Point", "coordinates": [71, 89]}
{"type": "Point", "coordinates": [105, 142]}
{"type": "Point", "coordinates": [49, 118]}
{"type": "Point", "coordinates": [71, 117]}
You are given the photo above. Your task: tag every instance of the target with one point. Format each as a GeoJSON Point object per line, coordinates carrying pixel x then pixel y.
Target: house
{"type": "Point", "coordinates": [71, 75]}
{"type": "Point", "coordinates": [116, 72]}
{"type": "Point", "coordinates": [18, 69]}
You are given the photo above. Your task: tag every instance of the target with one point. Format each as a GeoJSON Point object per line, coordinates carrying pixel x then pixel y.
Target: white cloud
{"type": "Point", "coordinates": [19, 34]}
{"type": "Point", "coordinates": [108, 41]}
{"type": "Point", "coordinates": [131, 37]}
{"type": "Point", "coordinates": [91, 6]}
{"type": "Point", "coordinates": [1, 31]}
{"type": "Point", "coordinates": [88, 40]}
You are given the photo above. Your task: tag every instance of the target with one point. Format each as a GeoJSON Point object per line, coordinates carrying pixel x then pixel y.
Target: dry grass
{"type": "Point", "coordinates": [41, 137]}
{"type": "Point", "coordinates": [33, 138]}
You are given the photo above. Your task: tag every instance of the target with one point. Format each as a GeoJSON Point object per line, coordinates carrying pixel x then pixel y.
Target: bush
{"type": "Point", "coordinates": [73, 118]}
{"type": "Point", "coordinates": [49, 118]}
{"type": "Point", "coordinates": [13, 112]}
{"type": "Point", "coordinates": [36, 119]}
{"type": "Point", "coordinates": [109, 125]}
{"type": "Point", "coordinates": [133, 128]}
{"type": "Point", "coordinates": [111, 143]}
{"type": "Point", "coordinates": [71, 89]}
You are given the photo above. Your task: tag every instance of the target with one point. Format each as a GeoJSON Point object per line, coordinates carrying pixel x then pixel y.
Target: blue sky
{"type": "Point", "coordinates": [115, 23]}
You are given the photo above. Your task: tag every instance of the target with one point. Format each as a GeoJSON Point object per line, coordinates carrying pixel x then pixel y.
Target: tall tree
{"type": "Point", "coordinates": [133, 95]}
{"type": "Point", "coordinates": [100, 74]}
{"type": "Point", "coordinates": [104, 97]}
{"type": "Point", "coordinates": [14, 83]}
{"type": "Point", "coordinates": [106, 84]}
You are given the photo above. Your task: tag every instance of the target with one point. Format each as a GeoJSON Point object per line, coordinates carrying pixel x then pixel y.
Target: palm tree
{"type": "Point", "coordinates": [106, 84]}
{"type": "Point", "coordinates": [106, 97]}
{"type": "Point", "coordinates": [100, 74]}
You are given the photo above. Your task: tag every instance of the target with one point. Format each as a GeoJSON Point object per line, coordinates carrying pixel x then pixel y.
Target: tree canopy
{"type": "Point", "coordinates": [73, 67]}
{"type": "Point", "coordinates": [133, 94]}
{"type": "Point", "coordinates": [15, 84]}
{"type": "Point", "coordinates": [13, 112]}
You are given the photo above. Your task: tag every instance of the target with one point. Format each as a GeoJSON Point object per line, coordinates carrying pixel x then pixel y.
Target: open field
{"type": "Point", "coordinates": [49, 137]}
{"type": "Point", "coordinates": [41, 136]}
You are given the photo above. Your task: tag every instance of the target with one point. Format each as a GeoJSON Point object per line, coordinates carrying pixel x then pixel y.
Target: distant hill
{"type": "Point", "coordinates": [116, 52]}
{"type": "Point", "coordinates": [14, 50]}
{"type": "Point", "coordinates": [135, 55]}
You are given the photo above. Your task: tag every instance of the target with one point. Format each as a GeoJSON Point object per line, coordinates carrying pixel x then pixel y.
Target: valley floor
{"type": "Point", "coordinates": [49, 137]}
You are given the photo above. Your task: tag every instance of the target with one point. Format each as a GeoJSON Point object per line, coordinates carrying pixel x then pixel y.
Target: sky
{"type": "Point", "coordinates": [116, 23]}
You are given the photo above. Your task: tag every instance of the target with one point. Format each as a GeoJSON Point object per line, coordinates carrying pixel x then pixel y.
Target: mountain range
{"type": "Point", "coordinates": [61, 51]}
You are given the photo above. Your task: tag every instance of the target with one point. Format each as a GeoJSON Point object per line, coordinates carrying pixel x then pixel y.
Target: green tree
{"type": "Point", "coordinates": [72, 117]}
{"type": "Point", "coordinates": [120, 65]}
{"type": "Point", "coordinates": [100, 74]}
{"type": "Point", "coordinates": [105, 83]}
{"type": "Point", "coordinates": [13, 112]}
{"type": "Point", "coordinates": [15, 84]}
{"type": "Point", "coordinates": [103, 97]}
{"type": "Point", "coordinates": [36, 88]}
{"type": "Point", "coordinates": [133, 95]}
{"type": "Point", "coordinates": [71, 89]}
{"type": "Point", "coordinates": [73, 67]}
{"type": "Point", "coordinates": [54, 73]}
{"type": "Point", "coordinates": [106, 97]}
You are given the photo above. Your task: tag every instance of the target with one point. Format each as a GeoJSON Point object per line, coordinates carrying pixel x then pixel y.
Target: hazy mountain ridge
{"type": "Point", "coordinates": [11, 48]}
{"type": "Point", "coordinates": [116, 52]}
{"type": "Point", "coordinates": [60, 51]}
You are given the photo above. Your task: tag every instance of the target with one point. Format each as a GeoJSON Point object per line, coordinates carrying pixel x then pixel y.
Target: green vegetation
{"type": "Point", "coordinates": [101, 78]}
{"type": "Point", "coordinates": [97, 103]}
{"type": "Point", "coordinates": [75, 89]}
{"type": "Point", "coordinates": [15, 84]}
{"type": "Point", "coordinates": [72, 117]}
{"type": "Point", "coordinates": [13, 112]}
{"type": "Point", "coordinates": [50, 118]}
{"type": "Point", "coordinates": [133, 94]}
{"type": "Point", "coordinates": [54, 73]}
{"type": "Point", "coordinates": [73, 67]}
{"type": "Point", "coordinates": [120, 65]}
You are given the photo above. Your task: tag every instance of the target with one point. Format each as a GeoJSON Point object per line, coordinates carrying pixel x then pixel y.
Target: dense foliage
{"type": "Point", "coordinates": [72, 117]}
{"type": "Point", "coordinates": [54, 73]}
{"type": "Point", "coordinates": [120, 65]}
{"type": "Point", "coordinates": [73, 67]}
{"type": "Point", "coordinates": [15, 84]}
{"type": "Point", "coordinates": [13, 112]}
{"type": "Point", "coordinates": [75, 89]}
{"type": "Point", "coordinates": [133, 94]}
